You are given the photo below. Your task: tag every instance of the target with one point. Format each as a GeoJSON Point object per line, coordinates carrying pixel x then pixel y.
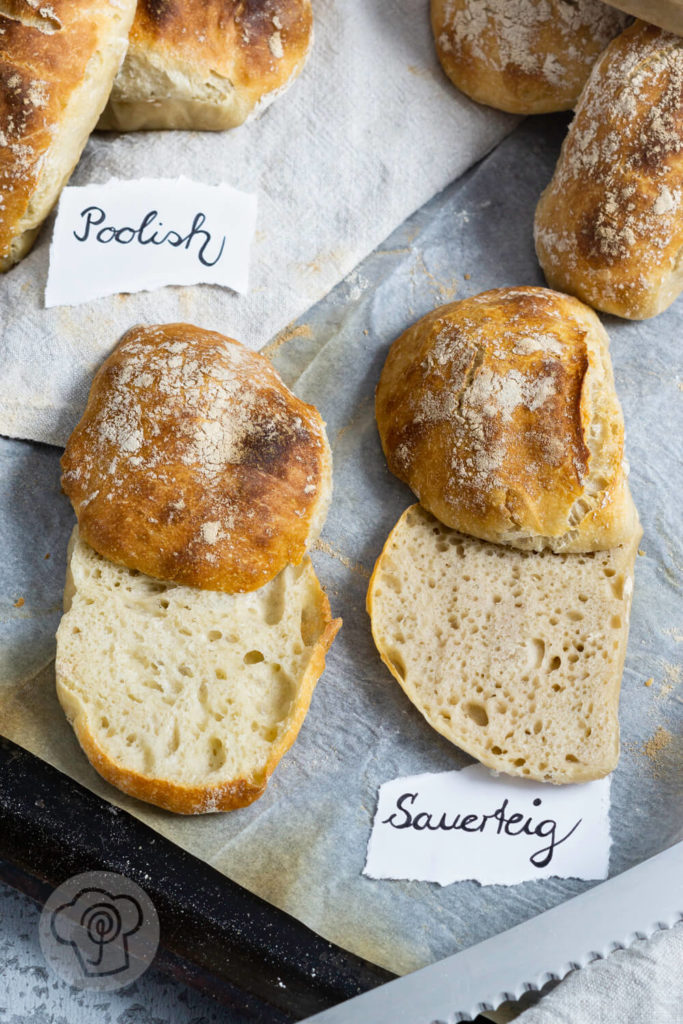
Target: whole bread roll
{"type": "Point", "coordinates": [609, 226]}
{"type": "Point", "coordinates": [57, 64]}
{"type": "Point", "coordinates": [523, 56]}
{"type": "Point", "coordinates": [194, 463]}
{"type": "Point", "coordinates": [500, 412]}
{"type": "Point", "coordinates": [207, 64]}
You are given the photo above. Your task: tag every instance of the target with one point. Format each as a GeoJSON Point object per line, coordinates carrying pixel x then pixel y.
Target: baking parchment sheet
{"type": "Point", "coordinates": [302, 846]}
{"type": "Point", "coordinates": [369, 132]}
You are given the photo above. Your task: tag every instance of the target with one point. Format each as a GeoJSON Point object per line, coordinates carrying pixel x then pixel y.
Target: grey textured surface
{"type": "Point", "coordinates": [302, 846]}
{"type": "Point", "coordinates": [30, 993]}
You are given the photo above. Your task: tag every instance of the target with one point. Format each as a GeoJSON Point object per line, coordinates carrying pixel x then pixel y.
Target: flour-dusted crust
{"type": "Point", "coordinates": [194, 463]}
{"type": "Point", "coordinates": [523, 56]}
{"type": "Point", "coordinates": [207, 64]}
{"type": "Point", "coordinates": [500, 412]}
{"type": "Point", "coordinates": [187, 698]}
{"type": "Point", "coordinates": [514, 656]}
{"type": "Point", "coordinates": [58, 60]}
{"type": "Point", "coordinates": [609, 226]}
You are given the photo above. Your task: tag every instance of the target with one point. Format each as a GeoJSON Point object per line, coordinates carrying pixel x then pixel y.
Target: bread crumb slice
{"type": "Point", "coordinates": [516, 657]}
{"type": "Point", "coordinates": [182, 697]}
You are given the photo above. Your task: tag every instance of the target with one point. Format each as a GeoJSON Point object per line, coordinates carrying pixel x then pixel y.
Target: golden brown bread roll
{"type": "Point", "coordinates": [194, 463]}
{"type": "Point", "coordinates": [207, 64]}
{"type": "Point", "coordinates": [523, 56]}
{"type": "Point", "coordinates": [57, 65]}
{"type": "Point", "coordinates": [609, 226]}
{"type": "Point", "coordinates": [499, 411]}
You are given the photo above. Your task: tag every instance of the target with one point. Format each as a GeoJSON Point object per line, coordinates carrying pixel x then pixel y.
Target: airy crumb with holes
{"type": "Point", "coordinates": [514, 656]}
{"type": "Point", "coordinates": [182, 697]}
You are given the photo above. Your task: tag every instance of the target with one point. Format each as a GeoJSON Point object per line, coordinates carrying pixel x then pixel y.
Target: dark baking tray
{"type": "Point", "coordinates": [253, 958]}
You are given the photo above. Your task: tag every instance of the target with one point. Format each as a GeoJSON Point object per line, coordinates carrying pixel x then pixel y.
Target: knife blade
{"type": "Point", "coordinates": [612, 915]}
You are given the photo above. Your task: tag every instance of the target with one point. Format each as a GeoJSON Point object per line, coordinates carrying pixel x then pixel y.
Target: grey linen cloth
{"type": "Point", "coordinates": [640, 985]}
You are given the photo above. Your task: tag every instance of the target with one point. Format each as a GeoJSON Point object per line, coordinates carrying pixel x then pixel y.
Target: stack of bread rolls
{"type": "Point", "coordinates": [195, 628]}
{"type": "Point", "coordinates": [501, 602]}
{"type": "Point", "coordinates": [609, 226]}
{"type": "Point", "coordinates": [199, 64]}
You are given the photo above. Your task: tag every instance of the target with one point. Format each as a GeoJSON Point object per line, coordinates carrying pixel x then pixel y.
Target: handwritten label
{"type": "Point", "coordinates": [131, 236]}
{"type": "Point", "coordinates": [497, 830]}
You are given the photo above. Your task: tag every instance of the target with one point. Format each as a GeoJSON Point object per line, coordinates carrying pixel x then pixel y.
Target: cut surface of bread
{"type": "Point", "coordinates": [57, 64]}
{"type": "Point", "coordinates": [500, 412]}
{"type": "Point", "coordinates": [187, 698]}
{"type": "Point", "coordinates": [609, 226]}
{"type": "Point", "coordinates": [523, 56]}
{"type": "Point", "coordinates": [194, 463]}
{"type": "Point", "coordinates": [207, 65]}
{"type": "Point", "coordinates": [515, 657]}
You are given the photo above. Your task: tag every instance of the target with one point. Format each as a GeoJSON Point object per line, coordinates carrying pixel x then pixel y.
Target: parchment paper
{"type": "Point", "coordinates": [302, 846]}
{"type": "Point", "coordinates": [370, 131]}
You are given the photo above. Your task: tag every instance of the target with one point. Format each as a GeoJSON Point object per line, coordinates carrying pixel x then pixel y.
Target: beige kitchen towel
{"type": "Point", "coordinates": [667, 13]}
{"type": "Point", "coordinates": [369, 132]}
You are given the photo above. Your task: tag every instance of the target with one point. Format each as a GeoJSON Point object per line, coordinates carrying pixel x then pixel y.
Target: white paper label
{"type": "Point", "coordinates": [497, 830]}
{"type": "Point", "coordinates": [132, 236]}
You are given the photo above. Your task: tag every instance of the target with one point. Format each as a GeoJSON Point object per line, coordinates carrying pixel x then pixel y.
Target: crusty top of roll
{"type": "Point", "coordinates": [45, 53]}
{"type": "Point", "coordinates": [255, 43]}
{"type": "Point", "coordinates": [523, 56]}
{"type": "Point", "coordinates": [186, 57]}
{"type": "Point", "coordinates": [499, 411]}
{"type": "Point", "coordinates": [609, 226]}
{"type": "Point", "coordinates": [194, 463]}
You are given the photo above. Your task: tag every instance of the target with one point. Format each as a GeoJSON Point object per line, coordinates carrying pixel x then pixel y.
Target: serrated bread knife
{"type": "Point", "coordinates": [612, 915]}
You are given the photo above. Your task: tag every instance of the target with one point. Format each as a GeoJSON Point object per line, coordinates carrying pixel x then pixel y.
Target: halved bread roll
{"type": "Point", "coordinates": [182, 697]}
{"type": "Point", "coordinates": [207, 65]}
{"type": "Point", "coordinates": [514, 656]}
{"type": "Point", "coordinates": [500, 412]}
{"type": "Point", "coordinates": [523, 56]}
{"type": "Point", "coordinates": [609, 226]}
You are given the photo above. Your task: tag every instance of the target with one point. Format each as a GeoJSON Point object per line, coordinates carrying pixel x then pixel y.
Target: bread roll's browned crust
{"type": "Point", "coordinates": [609, 226]}
{"type": "Point", "coordinates": [207, 64]}
{"type": "Point", "coordinates": [499, 411]}
{"type": "Point", "coordinates": [194, 463]}
{"type": "Point", "coordinates": [523, 56]}
{"type": "Point", "coordinates": [57, 64]}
